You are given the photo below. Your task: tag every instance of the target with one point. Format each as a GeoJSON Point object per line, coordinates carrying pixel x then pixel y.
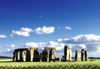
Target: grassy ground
{"type": "Point", "coordinates": [9, 63]}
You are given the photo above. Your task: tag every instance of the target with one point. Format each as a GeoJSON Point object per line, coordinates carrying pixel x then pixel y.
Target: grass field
{"type": "Point", "coordinates": [9, 62]}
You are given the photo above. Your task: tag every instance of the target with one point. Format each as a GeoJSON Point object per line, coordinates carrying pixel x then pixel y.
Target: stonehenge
{"type": "Point", "coordinates": [26, 54]}
{"type": "Point", "coordinates": [77, 56]}
{"type": "Point", "coordinates": [84, 55]}
{"type": "Point", "coordinates": [49, 54]}
{"type": "Point", "coordinates": [68, 53]}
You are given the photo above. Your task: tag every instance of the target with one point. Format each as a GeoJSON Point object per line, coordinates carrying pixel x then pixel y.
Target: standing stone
{"type": "Point", "coordinates": [14, 56]}
{"type": "Point", "coordinates": [36, 55]}
{"type": "Point", "coordinates": [41, 56]}
{"type": "Point", "coordinates": [68, 53]}
{"type": "Point", "coordinates": [84, 55]}
{"type": "Point", "coordinates": [30, 55]}
{"type": "Point", "coordinates": [77, 56]}
{"type": "Point", "coordinates": [53, 54]}
{"type": "Point", "coordinates": [45, 55]}
{"type": "Point", "coordinates": [24, 56]}
{"type": "Point", "coordinates": [21, 55]}
{"type": "Point", "coordinates": [18, 55]}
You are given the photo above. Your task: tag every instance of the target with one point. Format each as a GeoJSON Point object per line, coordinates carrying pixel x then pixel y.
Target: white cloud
{"type": "Point", "coordinates": [8, 49]}
{"type": "Point", "coordinates": [41, 45]}
{"type": "Point", "coordinates": [12, 45]}
{"type": "Point", "coordinates": [3, 36]}
{"type": "Point", "coordinates": [69, 28]}
{"type": "Point", "coordinates": [90, 42]}
{"type": "Point", "coordinates": [11, 35]}
{"type": "Point", "coordinates": [31, 44]}
{"type": "Point", "coordinates": [21, 33]}
{"type": "Point", "coordinates": [44, 30]}
{"type": "Point", "coordinates": [26, 29]}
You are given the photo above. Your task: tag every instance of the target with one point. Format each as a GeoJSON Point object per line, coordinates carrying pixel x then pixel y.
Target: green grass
{"type": "Point", "coordinates": [9, 62]}
{"type": "Point", "coordinates": [4, 58]}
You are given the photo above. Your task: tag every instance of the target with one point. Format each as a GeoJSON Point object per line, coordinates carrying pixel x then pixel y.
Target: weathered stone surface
{"type": "Point", "coordinates": [68, 53]}
{"type": "Point", "coordinates": [30, 55]}
{"type": "Point", "coordinates": [21, 49]}
{"type": "Point", "coordinates": [17, 55]}
{"type": "Point", "coordinates": [84, 55]}
{"type": "Point", "coordinates": [77, 56]}
{"type": "Point", "coordinates": [36, 55]}
{"type": "Point", "coordinates": [45, 55]}
{"type": "Point", "coordinates": [53, 54]}
{"type": "Point", "coordinates": [32, 48]}
{"type": "Point", "coordinates": [48, 48]}
{"type": "Point", "coordinates": [48, 56]}
{"type": "Point", "coordinates": [24, 56]}
{"type": "Point", "coordinates": [41, 56]}
{"type": "Point", "coordinates": [14, 56]}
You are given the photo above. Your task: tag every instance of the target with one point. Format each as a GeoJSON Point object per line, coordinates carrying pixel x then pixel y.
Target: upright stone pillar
{"type": "Point", "coordinates": [18, 55]}
{"type": "Point", "coordinates": [84, 55]}
{"type": "Point", "coordinates": [36, 55]}
{"type": "Point", "coordinates": [14, 56]}
{"type": "Point", "coordinates": [77, 56]}
{"type": "Point", "coordinates": [30, 55]}
{"type": "Point", "coordinates": [22, 55]}
{"type": "Point", "coordinates": [68, 53]}
{"type": "Point", "coordinates": [41, 56]}
{"type": "Point", "coordinates": [45, 56]}
{"type": "Point", "coordinates": [53, 54]}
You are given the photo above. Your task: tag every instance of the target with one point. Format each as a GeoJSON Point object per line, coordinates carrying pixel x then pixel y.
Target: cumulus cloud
{"type": "Point", "coordinates": [11, 35]}
{"type": "Point", "coordinates": [69, 28]}
{"type": "Point", "coordinates": [90, 42]}
{"type": "Point", "coordinates": [3, 36]}
{"type": "Point", "coordinates": [44, 30]}
{"type": "Point", "coordinates": [31, 44]}
{"type": "Point", "coordinates": [26, 31]}
{"type": "Point", "coordinates": [41, 45]}
{"type": "Point", "coordinates": [8, 49]}
{"type": "Point", "coordinates": [21, 33]}
{"type": "Point", "coordinates": [10, 46]}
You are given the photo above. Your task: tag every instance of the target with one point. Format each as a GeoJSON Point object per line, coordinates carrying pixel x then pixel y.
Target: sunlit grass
{"type": "Point", "coordinates": [9, 62]}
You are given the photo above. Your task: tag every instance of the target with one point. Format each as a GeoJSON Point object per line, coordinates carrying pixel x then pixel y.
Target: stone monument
{"type": "Point", "coordinates": [84, 55]}
{"type": "Point", "coordinates": [77, 56]}
{"type": "Point", "coordinates": [41, 56]}
{"type": "Point", "coordinates": [49, 56]}
{"type": "Point", "coordinates": [14, 56]}
{"type": "Point", "coordinates": [45, 55]}
{"type": "Point", "coordinates": [68, 53]}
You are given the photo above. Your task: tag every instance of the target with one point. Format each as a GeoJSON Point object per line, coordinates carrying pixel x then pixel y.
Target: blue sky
{"type": "Point", "coordinates": [50, 23]}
